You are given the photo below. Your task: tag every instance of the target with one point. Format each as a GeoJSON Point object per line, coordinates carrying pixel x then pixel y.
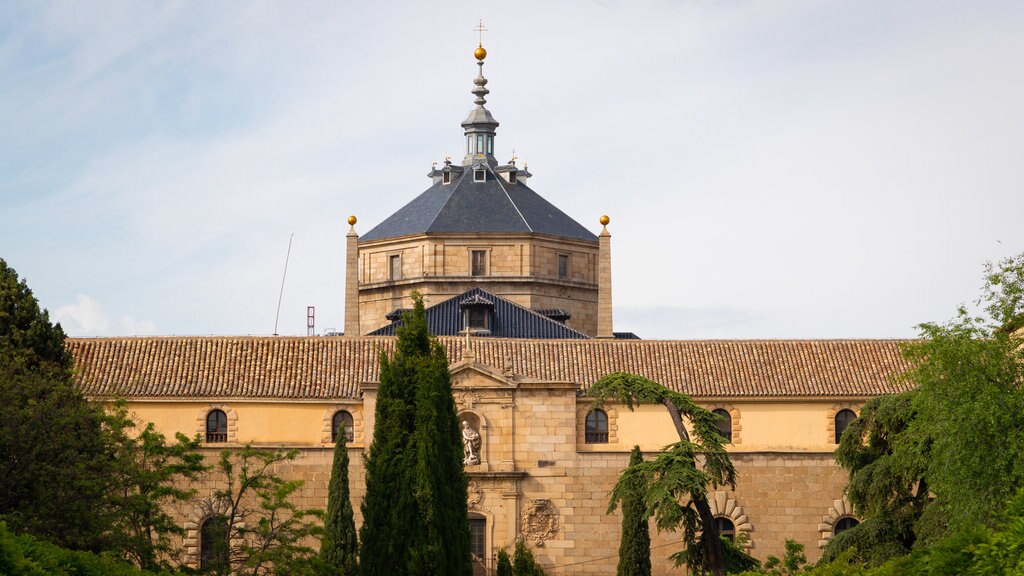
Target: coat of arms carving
{"type": "Point", "coordinates": [540, 521]}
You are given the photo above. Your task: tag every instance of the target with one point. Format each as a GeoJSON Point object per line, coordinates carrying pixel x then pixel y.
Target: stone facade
{"type": "Point", "coordinates": [520, 267]}
{"type": "Point", "coordinates": [539, 479]}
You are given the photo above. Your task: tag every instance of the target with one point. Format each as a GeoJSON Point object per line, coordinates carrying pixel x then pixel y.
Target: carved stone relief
{"type": "Point", "coordinates": [476, 495]}
{"type": "Point", "coordinates": [540, 521]}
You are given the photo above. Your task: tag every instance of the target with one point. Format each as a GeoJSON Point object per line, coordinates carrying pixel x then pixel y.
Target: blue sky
{"type": "Point", "coordinates": [772, 169]}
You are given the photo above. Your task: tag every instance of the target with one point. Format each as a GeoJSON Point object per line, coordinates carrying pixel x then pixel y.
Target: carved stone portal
{"type": "Point", "coordinates": [470, 445]}
{"type": "Point", "coordinates": [540, 521]}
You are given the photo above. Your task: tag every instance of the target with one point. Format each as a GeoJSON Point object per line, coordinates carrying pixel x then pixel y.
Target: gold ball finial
{"type": "Point", "coordinates": [351, 220]}
{"type": "Point", "coordinates": [605, 220]}
{"type": "Point", "coordinates": [480, 53]}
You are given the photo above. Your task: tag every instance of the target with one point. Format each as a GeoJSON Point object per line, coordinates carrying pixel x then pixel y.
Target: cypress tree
{"type": "Point", "coordinates": [415, 519]}
{"type": "Point", "coordinates": [504, 563]}
{"type": "Point", "coordinates": [338, 548]}
{"type": "Point", "coordinates": [635, 545]}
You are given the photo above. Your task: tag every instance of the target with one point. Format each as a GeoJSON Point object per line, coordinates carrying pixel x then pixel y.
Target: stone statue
{"type": "Point", "coordinates": [470, 445]}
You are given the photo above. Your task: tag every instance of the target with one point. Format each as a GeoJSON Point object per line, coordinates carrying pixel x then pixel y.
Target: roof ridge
{"type": "Point", "coordinates": [451, 193]}
{"type": "Point", "coordinates": [510, 200]}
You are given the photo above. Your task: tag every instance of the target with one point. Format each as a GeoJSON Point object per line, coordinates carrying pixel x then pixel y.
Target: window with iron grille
{"type": "Point", "coordinates": [478, 537]}
{"type": "Point", "coordinates": [342, 420]}
{"type": "Point", "coordinates": [596, 431]}
{"type": "Point", "coordinates": [216, 426]}
{"type": "Point", "coordinates": [213, 543]}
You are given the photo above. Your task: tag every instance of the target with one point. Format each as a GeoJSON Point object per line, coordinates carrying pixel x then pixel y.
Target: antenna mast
{"type": "Point", "coordinates": [283, 276]}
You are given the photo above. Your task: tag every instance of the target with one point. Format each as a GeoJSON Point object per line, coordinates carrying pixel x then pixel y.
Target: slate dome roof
{"type": "Point", "coordinates": [494, 205]}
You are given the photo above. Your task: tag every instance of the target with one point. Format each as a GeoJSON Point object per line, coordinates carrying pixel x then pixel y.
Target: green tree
{"type": "Point", "coordinates": [947, 455]}
{"type": "Point", "coordinates": [674, 486]}
{"type": "Point", "coordinates": [339, 547]}
{"type": "Point", "coordinates": [504, 563]}
{"type": "Point", "coordinates": [54, 463]}
{"type": "Point", "coordinates": [523, 562]}
{"type": "Point", "coordinates": [150, 476]}
{"type": "Point", "coordinates": [635, 542]}
{"type": "Point", "coordinates": [271, 532]}
{"type": "Point", "coordinates": [415, 519]}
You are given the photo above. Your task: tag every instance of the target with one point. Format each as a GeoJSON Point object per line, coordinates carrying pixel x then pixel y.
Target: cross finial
{"type": "Point", "coordinates": [480, 29]}
{"type": "Point", "coordinates": [514, 157]}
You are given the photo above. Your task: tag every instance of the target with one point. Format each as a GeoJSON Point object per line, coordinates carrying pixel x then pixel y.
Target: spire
{"type": "Point", "coordinates": [480, 125]}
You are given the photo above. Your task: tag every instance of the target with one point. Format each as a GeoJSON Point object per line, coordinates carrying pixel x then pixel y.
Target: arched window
{"type": "Point", "coordinates": [216, 426]}
{"type": "Point", "coordinates": [725, 424]}
{"type": "Point", "coordinates": [596, 427]}
{"type": "Point", "coordinates": [342, 420]}
{"type": "Point", "coordinates": [726, 529]}
{"type": "Point", "coordinates": [213, 543]}
{"type": "Point", "coordinates": [843, 419]}
{"type": "Point", "coordinates": [844, 524]}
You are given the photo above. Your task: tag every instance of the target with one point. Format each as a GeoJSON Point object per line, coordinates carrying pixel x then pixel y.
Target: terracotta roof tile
{"type": "Point", "coordinates": [331, 368]}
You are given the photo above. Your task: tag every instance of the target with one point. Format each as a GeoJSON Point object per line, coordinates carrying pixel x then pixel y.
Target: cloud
{"type": "Point", "coordinates": [87, 318]}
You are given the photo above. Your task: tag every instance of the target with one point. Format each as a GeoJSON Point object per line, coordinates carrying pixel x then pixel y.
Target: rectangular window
{"type": "Point", "coordinates": [490, 144]}
{"type": "Point", "coordinates": [479, 143]}
{"type": "Point", "coordinates": [479, 175]}
{"type": "Point", "coordinates": [446, 178]}
{"type": "Point", "coordinates": [469, 144]}
{"type": "Point", "coordinates": [563, 265]}
{"type": "Point", "coordinates": [476, 318]}
{"type": "Point", "coordinates": [512, 177]}
{"type": "Point", "coordinates": [396, 267]}
{"type": "Point", "coordinates": [478, 538]}
{"type": "Point", "coordinates": [478, 263]}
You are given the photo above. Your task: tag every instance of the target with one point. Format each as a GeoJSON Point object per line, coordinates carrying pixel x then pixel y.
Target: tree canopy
{"type": "Point", "coordinates": [948, 454]}
{"type": "Point", "coordinates": [54, 465]}
{"type": "Point", "coordinates": [674, 485]}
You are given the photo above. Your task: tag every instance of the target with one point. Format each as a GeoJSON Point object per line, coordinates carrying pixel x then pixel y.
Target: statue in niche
{"type": "Point", "coordinates": [470, 445]}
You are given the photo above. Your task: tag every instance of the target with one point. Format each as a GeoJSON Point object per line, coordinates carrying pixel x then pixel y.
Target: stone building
{"type": "Point", "coordinates": [520, 295]}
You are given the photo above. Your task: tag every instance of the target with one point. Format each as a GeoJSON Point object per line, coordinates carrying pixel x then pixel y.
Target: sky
{"type": "Point", "coordinates": [772, 169]}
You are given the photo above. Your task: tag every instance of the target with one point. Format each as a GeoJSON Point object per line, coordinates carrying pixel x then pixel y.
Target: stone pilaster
{"type": "Point", "coordinates": [352, 280]}
{"type": "Point", "coordinates": [604, 282]}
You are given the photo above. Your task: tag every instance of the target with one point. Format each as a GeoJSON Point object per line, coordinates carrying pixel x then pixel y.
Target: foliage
{"type": "Point", "coordinates": [148, 478]}
{"type": "Point", "coordinates": [944, 457]}
{"type": "Point", "coordinates": [415, 518]}
{"type": "Point", "coordinates": [523, 562]}
{"type": "Point", "coordinates": [338, 547]}
{"type": "Point", "coordinates": [25, 555]}
{"type": "Point", "coordinates": [273, 536]}
{"type": "Point", "coordinates": [794, 561]}
{"type": "Point", "coordinates": [674, 487]}
{"type": "Point", "coordinates": [504, 563]}
{"type": "Point", "coordinates": [635, 543]}
{"type": "Point", "coordinates": [53, 457]}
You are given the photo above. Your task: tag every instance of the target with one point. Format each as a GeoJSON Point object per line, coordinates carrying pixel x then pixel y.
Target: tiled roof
{"type": "Point", "coordinates": [333, 367]}
{"type": "Point", "coordinates": [508, 319]}
{"type": "Point", "coordinates": [468, 206]}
